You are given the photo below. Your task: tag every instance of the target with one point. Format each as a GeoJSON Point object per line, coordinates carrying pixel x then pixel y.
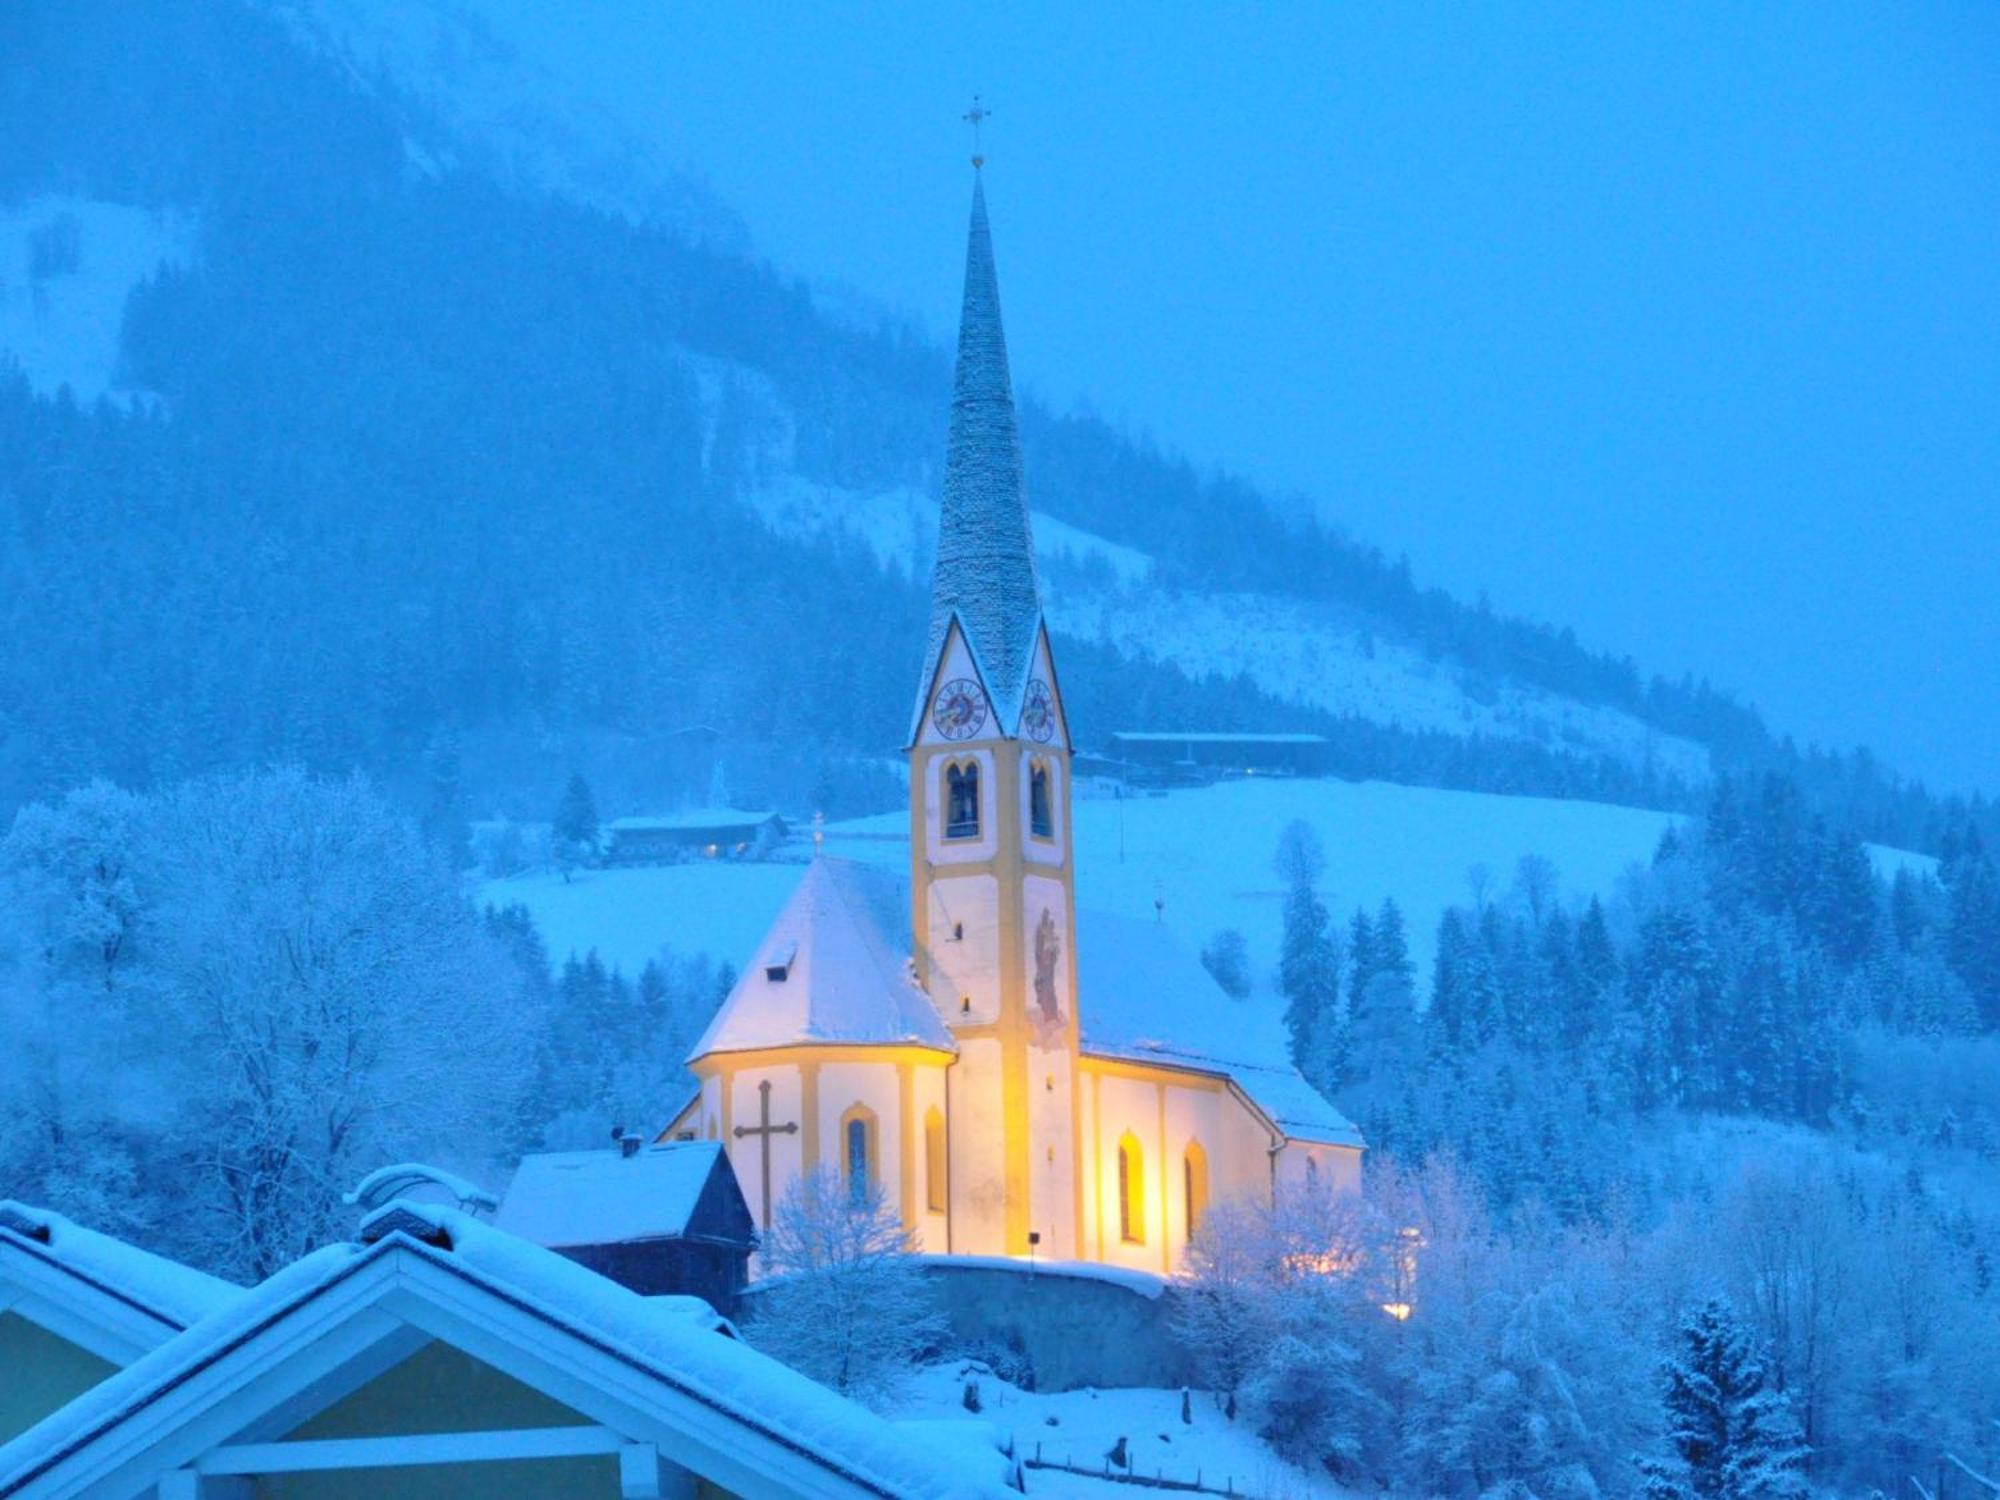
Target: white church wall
{"type": "Point", "coordinates": [1334, 1168]}
{"type": "Point", "coordinates": [876, 1088]}
{"type": "Point", "coordinates": [1052, 1147]}
{"type": "Point", "coordinates": [978, 1147]}
{"type": "Point", "coordinates": [746, 1152]}
{"type": "Point", "coordinates": [927, 1092]}
{"type": "Point", "coordinates": [964, 939]}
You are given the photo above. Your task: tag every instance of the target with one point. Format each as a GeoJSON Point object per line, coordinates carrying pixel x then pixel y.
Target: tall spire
{"type": "Point", "coordinates": [985, 556]}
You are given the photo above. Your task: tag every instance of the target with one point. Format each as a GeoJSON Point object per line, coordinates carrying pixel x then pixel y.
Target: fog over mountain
{"type": "Point", "coordinates": [543, 464]}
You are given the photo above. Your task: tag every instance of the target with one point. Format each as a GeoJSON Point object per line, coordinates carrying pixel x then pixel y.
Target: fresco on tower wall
{"type": "Point", "coordinates": [1047, 960]}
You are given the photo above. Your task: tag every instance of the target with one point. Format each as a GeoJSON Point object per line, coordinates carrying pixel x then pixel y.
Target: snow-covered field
{"type": "Point", "coordinates": [67, 265]}
{"type": "Point", "coordinates": [1197, 860]}
{"type": "Point", "coordinates": [1203, 854]}
{"type": "Point", "coordinates": [1082, 1427]}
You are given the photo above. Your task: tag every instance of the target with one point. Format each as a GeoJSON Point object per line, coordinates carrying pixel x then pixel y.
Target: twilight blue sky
{"type": "Point", "coordinates": [1679, 324]}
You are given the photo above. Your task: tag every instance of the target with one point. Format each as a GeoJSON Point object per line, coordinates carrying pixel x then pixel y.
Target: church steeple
{"type": "Point", "coordinates": [985, 575]}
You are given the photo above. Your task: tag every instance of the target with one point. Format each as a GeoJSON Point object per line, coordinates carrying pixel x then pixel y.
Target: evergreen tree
{"type": "Point", "coordinates": [1732, 1436]}
{"type": "Point", "coordinates": [1309, 977]}
{"type": "Point", "coordinates": [573, 830]}
{"type": "Point", "coordinates": [1227, 959]}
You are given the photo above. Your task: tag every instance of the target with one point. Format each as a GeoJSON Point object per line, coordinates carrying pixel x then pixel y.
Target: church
{"type": "Point", "coordinates": [1015, 1076]}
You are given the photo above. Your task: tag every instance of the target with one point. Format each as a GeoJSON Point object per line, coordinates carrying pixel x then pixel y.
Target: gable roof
{"type": "Point", "coordinates": [985, 573]}
{"type": "Point", "coordinates": [1146, 999]}
{"type": "Point", "coordinates": [843, 946]}
{"type": "Point", "coordinates": [568, 1198]}
{"type": "Point", "coordinates": [651, 1369]}
{"type": "Point", "coordinates": [126, 1298]}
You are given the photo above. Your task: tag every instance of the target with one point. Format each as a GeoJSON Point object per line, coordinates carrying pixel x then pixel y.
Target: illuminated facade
{"type": "Point", "coordinates": [1011, 1088]}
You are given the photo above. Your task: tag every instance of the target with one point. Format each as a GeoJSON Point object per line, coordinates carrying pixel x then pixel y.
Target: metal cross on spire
{"type": "Point", "coordinates": [974, 117]}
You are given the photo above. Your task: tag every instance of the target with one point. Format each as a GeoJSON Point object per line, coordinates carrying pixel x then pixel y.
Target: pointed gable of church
{"type": "Point", "coordinates": [985, 576]}
{"type": "Point", "coordinates": [833, 969]}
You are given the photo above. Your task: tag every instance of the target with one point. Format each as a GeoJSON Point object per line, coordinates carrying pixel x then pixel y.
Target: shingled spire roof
{"type": "Point", "coordinates": [985, 556]}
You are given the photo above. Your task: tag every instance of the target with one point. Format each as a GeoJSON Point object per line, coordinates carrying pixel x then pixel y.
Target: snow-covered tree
{"type": "Point", "coordinates": [325, 1000]}
{"type": "Point", "coordinates": [847, 1302]}
{"type": "Point", "coordinates": [1309, 962]}
{"type": "Point", "coordinates": [1730, 1435]}
{"type": "Point", "coordinates": [573, 830]}
{"type": "Point", "coordinates": [1227, 959]}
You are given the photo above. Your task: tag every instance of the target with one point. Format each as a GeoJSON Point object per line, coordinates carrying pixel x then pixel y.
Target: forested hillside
{"type": "Point", "coordinates": [404, 465]}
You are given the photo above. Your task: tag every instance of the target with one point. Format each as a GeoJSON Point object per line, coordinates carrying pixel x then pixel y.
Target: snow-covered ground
{"type": "Point", "coordinates": [67, 265]}
{"type": "Point", "coordinates": [1082, 1427]}
{"type": "Point", "coordinates": [1203, 854]}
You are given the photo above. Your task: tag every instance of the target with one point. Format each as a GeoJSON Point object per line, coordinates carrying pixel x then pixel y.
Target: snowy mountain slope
{"type": "Point", "coordinates": [67, 264]}
{"type": "Point", "coordinates": [1298, 650]}
{"type": "Point", "coordinates": [502, 114]}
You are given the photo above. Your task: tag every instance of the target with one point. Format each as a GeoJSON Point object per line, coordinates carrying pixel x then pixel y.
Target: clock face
{"type": "Point", "coordinates": [960, 709]}
{"type": "Point", "coordinates": [1038, 712]}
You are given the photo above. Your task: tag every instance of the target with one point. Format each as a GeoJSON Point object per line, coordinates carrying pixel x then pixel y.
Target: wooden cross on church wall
{"type": "Point", "coordinates": [764, 1130]}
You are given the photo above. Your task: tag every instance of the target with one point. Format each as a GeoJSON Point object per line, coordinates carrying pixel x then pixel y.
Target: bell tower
{"type": "Point", "coordinates": [992, 893]}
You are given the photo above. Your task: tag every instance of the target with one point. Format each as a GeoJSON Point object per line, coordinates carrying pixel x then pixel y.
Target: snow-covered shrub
{"type": "Point", "coordinates": [847, 1302]}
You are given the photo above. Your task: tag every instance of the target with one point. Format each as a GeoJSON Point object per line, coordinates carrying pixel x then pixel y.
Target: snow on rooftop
{"type": "Point", "coordinates": [606, 1197]}
{"type": "Point", "coordinates": [692, 820]}
{"type": "Point", "coordinates": [174, 1293]}
{"type": "Point", "coordinates": [689, 1352]}
{"type": "Point", "coordinates": [848, 978]}
{"type": "Point", "coordinates": [1149, 1000]}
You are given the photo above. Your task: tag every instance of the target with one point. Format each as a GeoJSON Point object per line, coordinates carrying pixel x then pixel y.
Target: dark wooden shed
{"type": "Point", "coordinates": [658, 1219]}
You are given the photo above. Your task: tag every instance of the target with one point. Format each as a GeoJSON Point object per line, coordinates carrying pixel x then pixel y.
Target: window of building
{"type": "Point", "coordinates": [1041, 816]}
{"type": "Point", "coordinates": [1131, 1191]}
{"type": "Point", "coordinates": [934, 1161]}
{"type": "Point", "coordinates": [961, 819]}
{"type": "Point", "coordinates": [1194, 1185]}
{"type": "Point", "coordinates": [857, 1151]}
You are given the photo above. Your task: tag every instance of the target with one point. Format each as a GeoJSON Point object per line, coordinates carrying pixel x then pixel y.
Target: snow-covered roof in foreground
{"type": "Point", "coordinates": [607, 1197]}
{"type": "Point", "coordinates": [834, 968]}
{"type": "Point", "coordinates": [683, 1348]}
{"type": "Point", "coordinates": [1146, 999]}
{"type": "Point", "coordinates": [166, 1290]}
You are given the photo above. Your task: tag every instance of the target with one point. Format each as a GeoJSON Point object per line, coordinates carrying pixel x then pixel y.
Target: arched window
{"type": "Point", "coordinates": [1194, 1185]}
{"type": "Point", "coordinates": [934, 1161]}
{"type": "Point", "coordinates": [961, 818]}
{"type": "Point", "coordinates": [1041, 815]}
{"type": "Point", "coordinates": [1131, 1191]}
{"type": "Point", "coordinates": [857, 1152]}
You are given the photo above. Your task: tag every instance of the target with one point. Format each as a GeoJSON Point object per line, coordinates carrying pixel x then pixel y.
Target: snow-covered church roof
{"type": "Point", "coordinates": [842, 943]}
{"type": "Point", "coordinates": [833, 969]}
{"type": "Point", "coordinates": [1146, 999]}
{"type": "Point", "coordinates": [985, 575]}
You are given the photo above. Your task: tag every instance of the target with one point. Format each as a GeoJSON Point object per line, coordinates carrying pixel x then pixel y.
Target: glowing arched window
{"type": "Point", "coordinates": [857, 1152]}
{"type": "Point", "coordinates": [1194, 1185]}
{"type": "Point", "coordinates": [1041, 814]}
{"type": "Point", "coordinates": [1131, 1191]}
{"type": "Point", "coordinates": [934, 1161]}
{"type": "Point", "coordinates": [961, 818]}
